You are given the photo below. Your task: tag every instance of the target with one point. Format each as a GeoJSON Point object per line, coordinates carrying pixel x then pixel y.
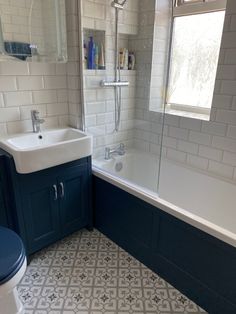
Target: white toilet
{"type": "Point", "coordinates": [12, 268]}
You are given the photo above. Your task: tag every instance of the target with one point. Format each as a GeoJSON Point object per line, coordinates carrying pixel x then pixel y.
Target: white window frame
{"type": "Point", "coordinates": [182, 8]}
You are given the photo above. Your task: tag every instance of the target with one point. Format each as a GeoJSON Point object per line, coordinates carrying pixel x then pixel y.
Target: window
{"type": "Point", "coordinates": [196, 39]}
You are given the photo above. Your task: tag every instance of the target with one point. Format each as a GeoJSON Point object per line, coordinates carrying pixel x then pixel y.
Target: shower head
{"type": "Point", "coordinates": [118, 4]}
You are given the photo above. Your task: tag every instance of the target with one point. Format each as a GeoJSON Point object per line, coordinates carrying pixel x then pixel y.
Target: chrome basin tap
{"type": "Point", "coordinates": [36, 121]}
{"type": "Point", "coordinates": [120, 150]}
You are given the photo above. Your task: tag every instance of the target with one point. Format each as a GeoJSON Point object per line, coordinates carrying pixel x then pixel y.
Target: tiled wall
{"type": "Point", "coordinates": [73, 66]}
{"type": "Point", "coordinates": [49, 87]}
{"type": "Point", "coordinates": [32, 22]}
{"type": "Point", "coordinates": [23, 21]}
{"type": "Point", "coordinates": [148, 124]}
{"type": "Point", "coordinates": [25, 86]}
{"type": "Point", "coordinates": [99, 15]}
{"type": "Point", "coordinates": [54, 25]}
{"type": "Point", "coordinates": [54, 89]}
{"type": "Point", "coordinates": [206, 145]}
{"type": "Point", "coordinates": [15, 21]}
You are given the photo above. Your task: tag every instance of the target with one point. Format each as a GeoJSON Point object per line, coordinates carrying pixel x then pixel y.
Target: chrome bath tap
{"type": "Point", "coordinates": [120, 150]}
{"type": "Point", "coordinates": [36, 121]}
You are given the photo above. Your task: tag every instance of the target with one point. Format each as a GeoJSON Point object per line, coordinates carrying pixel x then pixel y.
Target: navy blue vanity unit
{"type": "Point", "coordinates": [5, 204]}
{"type": "Point", "coordinates": [48, 205]}
{"type": "Point", "coordinates": [199, 265]}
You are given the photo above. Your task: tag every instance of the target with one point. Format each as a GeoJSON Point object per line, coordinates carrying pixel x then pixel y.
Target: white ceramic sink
{"type": "Point", "coordinates": [36, 151]}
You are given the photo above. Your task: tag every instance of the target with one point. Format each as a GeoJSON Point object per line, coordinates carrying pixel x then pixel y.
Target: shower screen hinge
{"type": "Point", "coordinates": [114, 84]}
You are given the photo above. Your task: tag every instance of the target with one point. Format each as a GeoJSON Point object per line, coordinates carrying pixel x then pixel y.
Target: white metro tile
{"type": "Point", "coordinates": [73, 109]}
{"type": "Point", "coordinates": [228, 40]}
{"type": "Point", "coordinates": [221, 169]}
{"type": "Point", "coordinates": [30, 82]}
{"type": "Point", "coordinates": [57, 109]}
{"type": "Point", "coordinates": [1, 100]}
{"type": "Point", "coordinates": [7, 83]}
{"type": "Point", "coordinates": [25, 111]}
{"type": "Point", "coordinates": [224, 143]}
{"type": "Point", "coordinates": [90, 120]}
{"type": "Point", "coordinates": [176, 155]}
{"type": "Point", "coordinates": [62, 95]}
{"type": "Point", "coordinates": [63, 120]}
{"type": "Point", "coordinates": [94, 10]}
{"type": "Point", "coordinates": [210, 127]}
{"type": "Point", "coordinates": [228, 87]}
{"type": "Point", "coordinates": [44, 96]}
{"type": "Point", "coordinates": [199, 138]}
{"type": "Point", "coordinates": [229, 158]}
{"type": "Point", "coordinates": [73, 68]}
{"type": "Point", "coordinates": [50, 122]}
{"type": "Point", "coordinates": [13, 99]}
{"type": "Point", "coordinates": [54, 82]}
{"type": "Point", "coordinates": [210, 153]}
{"type": "Point", "coordinates": [74, 96]}
{"type": "Point", "coordinates": [191, 124]}
{"type": "Point", "coordinates": [97, 107]}
{"type": "Point", "coordinates": [40, 68]}
{"type": "Point", "coordinates": [61, 68]}
{"type": "Point", "coordinates": [187, 147]}
{"type": "Point", "coordinates": [197, 161]}
{"type": "Point", "coordinates": [222, 101]}
{"type": "Point", "coordinates": [231, 131]}
{"type": "Point", "coordinates": [226, 72]}
{"type": "Point", "coordinates": [226, 116]}
{"type": "Point", "coordinates": [169, 141]}
{"type": "Point", "coordinates": [3, 129]}
{"type": "Point", "coordinates": [9, 114]}
{"type": "Point", "coordinates": [19, 126]}
{"type": "Point", "coordinates": [178, 133]}
{"type": "Point", "coordinates": [230, 56]}
{"type": "Point", "coordinates": [14, 68]}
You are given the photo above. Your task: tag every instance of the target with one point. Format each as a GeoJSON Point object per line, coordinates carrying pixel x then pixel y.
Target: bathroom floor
{"type": "Point", "coordinates": [86, 273]}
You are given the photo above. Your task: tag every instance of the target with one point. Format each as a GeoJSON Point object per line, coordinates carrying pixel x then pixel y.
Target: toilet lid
{"type": "Point", "coordinates": [12, 254]}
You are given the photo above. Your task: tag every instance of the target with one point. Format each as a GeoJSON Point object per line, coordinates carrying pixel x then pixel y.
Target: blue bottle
{"type": "Point", "coordinates": [91, 54]}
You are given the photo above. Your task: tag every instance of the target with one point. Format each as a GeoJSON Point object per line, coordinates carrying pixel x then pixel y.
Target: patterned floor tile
{"type": "Point", "coordinates": [86, 273]}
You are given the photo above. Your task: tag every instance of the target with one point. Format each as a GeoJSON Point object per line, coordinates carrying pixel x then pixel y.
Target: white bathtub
{"type": "Point", "coordinates": [196, 198]}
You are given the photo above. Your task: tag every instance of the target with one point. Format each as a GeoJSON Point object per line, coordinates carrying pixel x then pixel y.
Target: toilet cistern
{"type": "Point", "coordinates": [36, 121]}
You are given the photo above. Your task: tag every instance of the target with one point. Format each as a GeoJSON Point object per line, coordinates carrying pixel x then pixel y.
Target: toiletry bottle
{"type": "Point", "coordinates": [91, 54]}
{"type": "Point", "coordinates": [101, 63]}
{"type": "Point", "coordinates": [133, 61]}
{"type": "Point", "coordinates": [126, 60]}
{"type": "Point", "coordinates": [130, 62]}
{"type": "Point", "coordinates": [122, 58]}
{"type": "Point", "coordinates": [96, 59]}
{"type": "Point", "coordinates": [131, 65]}
{"type": "Point", "coordinates": [85, 56]}
{"type": "Point", "coordinates": [94, 56]}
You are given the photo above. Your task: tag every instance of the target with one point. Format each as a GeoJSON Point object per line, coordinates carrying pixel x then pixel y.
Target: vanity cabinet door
{"type": "Point", "coordinates": [73, 199]}
{"type": "Point", "coordinates": [5, 205]}
{"type": "Point", "coordinates": [40, 212]}
{"type": "Point", "coordinates": [3, 210]}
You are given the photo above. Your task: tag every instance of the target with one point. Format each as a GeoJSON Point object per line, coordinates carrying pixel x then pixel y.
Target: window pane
{"type": "Point", "coordinates": [194, 58]}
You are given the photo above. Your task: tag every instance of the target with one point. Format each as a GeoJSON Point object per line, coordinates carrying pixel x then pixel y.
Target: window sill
{"type": "Point", "coordinates": [188, 114]}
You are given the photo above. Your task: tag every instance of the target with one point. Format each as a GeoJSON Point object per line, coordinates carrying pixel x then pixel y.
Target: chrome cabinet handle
{"type": "Point", "coordinates": [55, 192]}
{"type": "Point", "coordinates": [62, 190]}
